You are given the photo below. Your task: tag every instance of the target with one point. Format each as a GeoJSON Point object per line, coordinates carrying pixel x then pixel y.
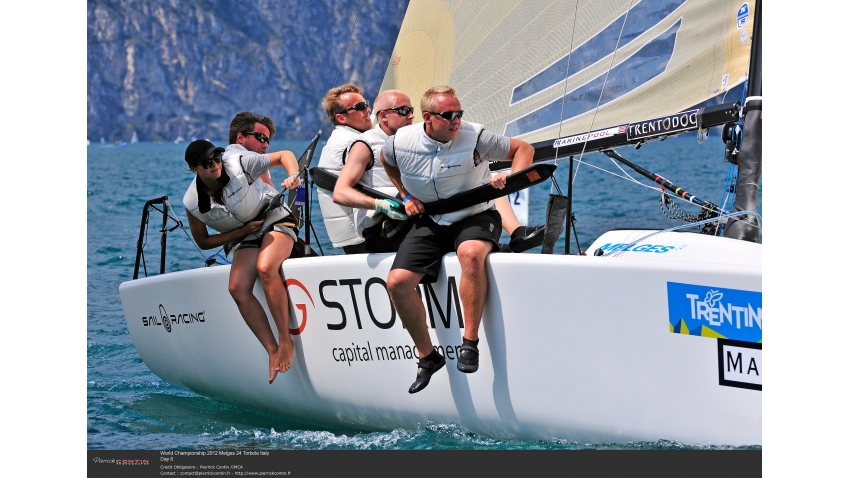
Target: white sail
{"type": "Point", "coordinates": [135, 138]}
{"type": "Point", "coordinates": [508, 60]}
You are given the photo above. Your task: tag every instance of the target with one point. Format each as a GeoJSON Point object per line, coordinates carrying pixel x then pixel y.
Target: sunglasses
{"type": "Point", "coordinates": [401, 110]}
{"type": "Point", "coordinates": [260, 137]}
{"type": "Point", "coordinates": [207, 163]}
{"type": "Point", "coordinates": [448, 115]}
{"type": "Point", "coordinates": [362, 106]}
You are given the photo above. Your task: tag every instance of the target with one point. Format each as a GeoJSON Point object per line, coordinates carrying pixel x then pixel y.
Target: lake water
{"type": "Point", "coordinates": [131, 408]}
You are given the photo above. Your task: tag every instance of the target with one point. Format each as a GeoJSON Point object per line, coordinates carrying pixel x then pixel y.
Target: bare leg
{"type": "Point", "coordinates": [472, 255]}
{"type": "Point", "coordinates": [402, 287]}
{"type": "Point", "coordinates": [509, 220]}
{"type": "Point", "coordinates": [243, 275]}
{"type": "Point", "coordinates": [276, 248]}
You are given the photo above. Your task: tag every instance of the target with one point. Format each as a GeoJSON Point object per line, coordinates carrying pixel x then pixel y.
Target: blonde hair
{"type": "Point", "coordinates": [331, 103]}
{"type": "Point", "coordinates": [428, 101]}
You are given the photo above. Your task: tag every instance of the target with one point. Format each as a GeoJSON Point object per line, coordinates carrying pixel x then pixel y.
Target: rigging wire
{"type": "Point", "coordinates": [627, 177]}
{"type": "Point", "coordinates": [604, 83]}
{"type": "Point", "coordinates": [723, 217]}
{"type": "Point", "coordinates": [566, 78]}
{"type": "Point", "coordinates": [350, 35]}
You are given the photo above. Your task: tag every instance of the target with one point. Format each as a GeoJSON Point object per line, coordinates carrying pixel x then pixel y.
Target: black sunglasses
{"type": "Point", "coordinates": [448, 115]}
{"type": "Point", "coordinates": [362, 106]}
{"type": "Point", "coordinates": [401, 110]}
{"type": "Point", "coordinates": [207, 163]}
{"type": "Point", "coordinates": [260, 137]}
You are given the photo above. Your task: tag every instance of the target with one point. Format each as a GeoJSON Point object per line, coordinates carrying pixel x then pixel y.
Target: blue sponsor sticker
{"type": "Point", "coordinates": [633, 247]}
{"type": "Point", "coordinates": [743, 15]}
{"type": "Point", "coordinates": [714, 312]}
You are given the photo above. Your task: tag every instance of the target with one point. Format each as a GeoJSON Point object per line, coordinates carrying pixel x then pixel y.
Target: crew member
{"type": "Point", "coordinates": [349, 112]}
{"type": "Point", "coordinates": [359, 223]}
{"type": "Point", "coordinates": [229, 196]}
{"type": "Point", "coordinates": [445, 157]}
{"type": "Point", "coordinates": [379, 222]}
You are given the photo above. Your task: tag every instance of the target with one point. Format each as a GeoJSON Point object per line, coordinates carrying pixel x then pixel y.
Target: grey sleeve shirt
{"type": "Point", "coordinates": [387, 149]}
{"type": "Point", "coordinates": [492, 147]}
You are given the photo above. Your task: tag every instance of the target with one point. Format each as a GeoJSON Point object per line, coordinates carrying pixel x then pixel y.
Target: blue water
{"type": "Point", "coordinates": [131, 408]}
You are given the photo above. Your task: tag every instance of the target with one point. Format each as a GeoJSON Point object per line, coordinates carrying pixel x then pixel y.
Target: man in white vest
{"type": "Point", "coordinates": [368, 216]}
{"type": "Point", "coordinates": [437, 160]}
{"type": "Point", "coordinates": [349, 112]}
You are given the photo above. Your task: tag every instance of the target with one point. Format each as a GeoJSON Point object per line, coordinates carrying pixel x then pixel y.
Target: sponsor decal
{"type": "Point", "coordinates": [163, 318]}
{"type": "Point", "coordinates": [743, 15]}
{"type": "Point", "coordinates": [348, 302]}
{"type": "Point", "coordinates": [739, 364]}
{"type": "Point", "coordinates": [582, 138]}
{"type": "Point", "coordinates": [375, 295]}
{"type": "Point", "coordinates": [744, 36]}
{"type": "Point", "coordinates": [356, 353]}
{"type": "Point", "coordinates": [714, 312]}
{"type": "Point", "coordinates": [724, 82]}
{"type": "Point", "coordinates": [302, 307]}
{"type": "Point", "coordinates": [683, 121]}
{"type": "Point", "coordinates": [642, 247]}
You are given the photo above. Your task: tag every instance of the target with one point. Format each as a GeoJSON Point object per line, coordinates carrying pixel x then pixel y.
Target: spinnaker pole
{"type": "Point", "coordinates": [664, 182]}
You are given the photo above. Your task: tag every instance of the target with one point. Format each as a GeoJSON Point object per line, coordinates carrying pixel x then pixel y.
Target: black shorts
{"type": "Point", "coordinates": [386, 236]}
{"type": "Point", "coordinates": [425, 245]}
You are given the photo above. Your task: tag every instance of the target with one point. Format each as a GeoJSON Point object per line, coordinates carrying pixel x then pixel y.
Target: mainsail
{"type": "Point", "coordinates": [543, 69]}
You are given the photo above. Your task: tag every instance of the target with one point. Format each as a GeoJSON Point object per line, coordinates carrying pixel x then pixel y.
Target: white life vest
{"type": "Point", "coordinates": [244, 198]}
{"type": "Point", "coordinates": [376, 177]}
{"type": "Point", "coordinates": [345, 224]}
{"type": "Point", "coordinates": [431, 170]}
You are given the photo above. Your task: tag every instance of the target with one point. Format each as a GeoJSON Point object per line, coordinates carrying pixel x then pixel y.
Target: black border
{"type": "Point", "coordinates": [438, 463]}
{"type": "Point", "coordinates": [734, 343]}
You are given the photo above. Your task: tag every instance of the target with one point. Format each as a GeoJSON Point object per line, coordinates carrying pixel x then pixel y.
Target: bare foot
{"type": "Point", "coordinates": [272, 368]}
{"type": "Point", "coordinates": [284, 355]}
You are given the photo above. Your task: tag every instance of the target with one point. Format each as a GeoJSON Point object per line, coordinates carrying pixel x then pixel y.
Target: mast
{"type": "Point", "coordinates": [749, 158]}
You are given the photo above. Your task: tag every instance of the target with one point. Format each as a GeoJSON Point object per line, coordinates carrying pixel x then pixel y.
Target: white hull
{"type": "Point", "coordinates": [578, 348]}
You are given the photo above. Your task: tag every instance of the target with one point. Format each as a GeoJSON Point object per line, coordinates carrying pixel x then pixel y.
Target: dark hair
{"type": "Point", "coordinates": [244, 123]}
{"type": "Point", "coordinates": [331, 103]}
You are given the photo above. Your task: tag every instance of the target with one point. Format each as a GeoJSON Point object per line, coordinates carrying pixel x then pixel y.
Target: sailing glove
{"type": "Point", "coordinates": [391, 209]}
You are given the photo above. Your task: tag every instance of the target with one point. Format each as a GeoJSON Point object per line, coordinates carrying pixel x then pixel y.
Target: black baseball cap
{"type": "Point", "coordinates": [199, 150]}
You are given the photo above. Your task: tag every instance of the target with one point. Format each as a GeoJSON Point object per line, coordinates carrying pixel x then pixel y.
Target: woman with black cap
{"type": "Point", "coordinates": [228, 196]}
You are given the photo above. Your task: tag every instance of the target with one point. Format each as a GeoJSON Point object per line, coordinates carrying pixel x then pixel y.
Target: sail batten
{"type": "Point", "coordinates": [508, 59]}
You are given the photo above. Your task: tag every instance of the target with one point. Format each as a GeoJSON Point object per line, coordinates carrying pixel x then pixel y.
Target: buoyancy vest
{"type": "Point", "coordinates": [345, 224]}
{"type": "Point", "coordinates": [431, 170]}
{"type": "Point", "coordinates": [376, 177]}
{"type": "Point", "coordinates": [244, 198]}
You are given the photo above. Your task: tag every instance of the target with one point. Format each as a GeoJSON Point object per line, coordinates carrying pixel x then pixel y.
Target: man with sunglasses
{"type": "Point", "coordinates": [444, 157]}
{"type": "Point", "coordinates": [379, 223]}
{"type": "Point", "coordinates": [227, 195]}
{"type": "Point", "coordinates": [362, 165]}
{"type": "Point", "coordinates": [349, 112]}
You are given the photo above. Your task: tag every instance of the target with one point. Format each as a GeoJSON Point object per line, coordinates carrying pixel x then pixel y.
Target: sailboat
{"type": "Point", "coordinates": [135, 138]}
{"type": "Point", "coordinates": [179, 138]}
{"type": "Point", "coordinates": [677, 355]}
